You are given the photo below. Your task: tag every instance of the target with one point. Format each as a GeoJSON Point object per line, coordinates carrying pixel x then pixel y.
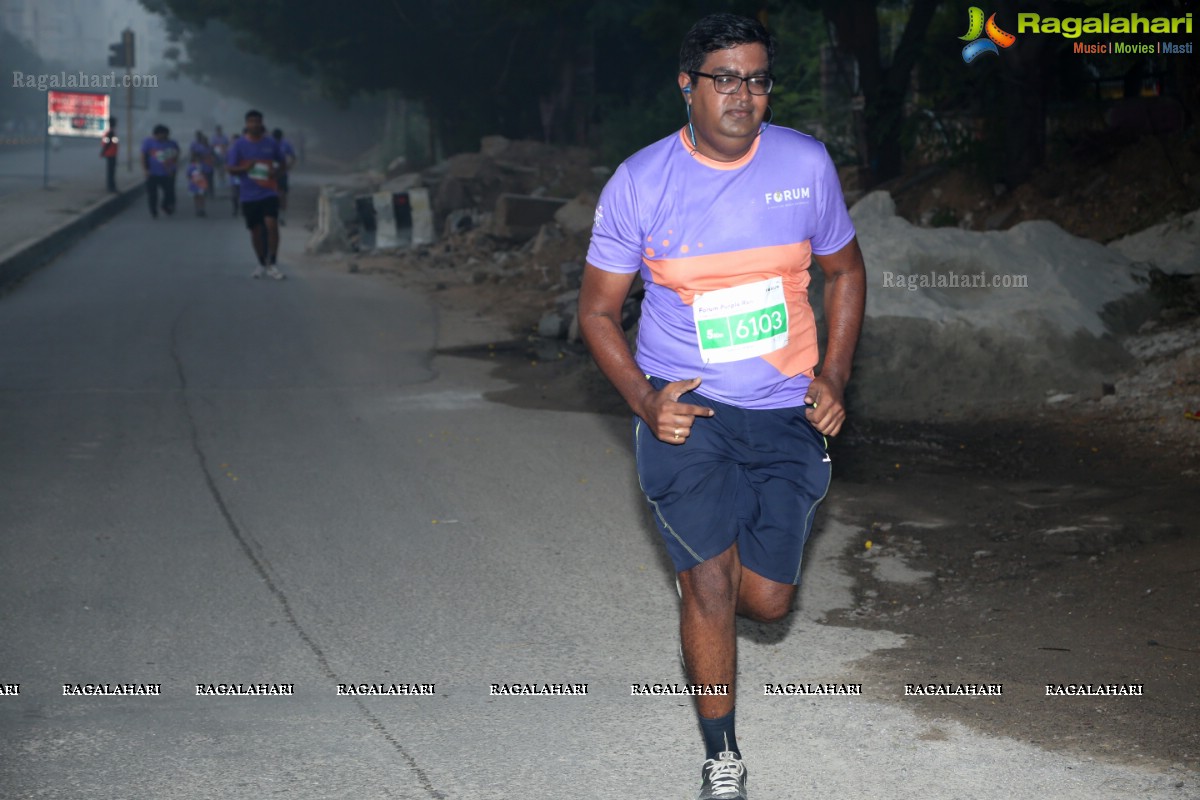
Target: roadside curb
{"type": "Point", "coordinates": [24, 259]}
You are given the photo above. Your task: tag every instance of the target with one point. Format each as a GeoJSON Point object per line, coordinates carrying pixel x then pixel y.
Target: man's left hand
{"type": "Point", "coordinates": [827, 413]}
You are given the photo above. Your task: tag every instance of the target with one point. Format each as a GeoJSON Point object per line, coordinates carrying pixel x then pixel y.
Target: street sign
{"type": "Point", "coordinates": [76, 114]}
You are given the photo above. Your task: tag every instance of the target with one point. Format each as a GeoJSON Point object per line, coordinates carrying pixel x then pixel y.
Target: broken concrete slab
{"type": "Point", "coordinates": [520, 216]}
{"type": "Point", "coordinates": [335, 208]}
{"type": "Point", "coordinates": [578, 215]}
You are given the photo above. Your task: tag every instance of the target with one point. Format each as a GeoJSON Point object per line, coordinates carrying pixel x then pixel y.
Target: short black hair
{"type": "Point", "coordinates": [160, 129]}
{"type": "Point", "coordinates": [253, 113]}
{"type": "Point", "coordinates": [721, 32]}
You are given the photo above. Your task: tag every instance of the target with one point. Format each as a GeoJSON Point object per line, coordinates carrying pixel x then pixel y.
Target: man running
{"type": "Point", "coordinates": [201, 152]}
{"type": "Point", "coordinates": [289, 155]}
{"type": "Point", "coordinates": [722, 219]}
{"type": "Point", "coordinates": [258, 162]}
{"type": "Point", "coordinates": [220, 146]}
{"type": "Point", "coordinates": [160, 159]}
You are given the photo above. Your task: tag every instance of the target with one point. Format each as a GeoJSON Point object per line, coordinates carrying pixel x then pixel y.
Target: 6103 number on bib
{"type": "Point", "coordinates": [741, 322]}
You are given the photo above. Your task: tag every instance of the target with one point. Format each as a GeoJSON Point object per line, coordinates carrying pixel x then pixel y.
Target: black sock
{"type": "Point", "coordinates": [719, 735]}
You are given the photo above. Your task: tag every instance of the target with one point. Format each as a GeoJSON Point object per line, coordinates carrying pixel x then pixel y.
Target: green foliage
{"type": "Point", "coordinates": [628, 128]}
{"type": "Point", "coordinates": [796, 99]}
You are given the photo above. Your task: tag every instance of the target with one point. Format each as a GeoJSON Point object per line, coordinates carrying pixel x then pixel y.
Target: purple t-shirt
{"type": "Point", "coordinates": [259, 155]}
{"type": "Point", "coordinates": [162, 157]}
{"type": "Point", "coordinates": [205, 153]}
{"type": "Point", "coordinates": [724, 250]}
{"type": "Point", "coordinates": [198, 177]}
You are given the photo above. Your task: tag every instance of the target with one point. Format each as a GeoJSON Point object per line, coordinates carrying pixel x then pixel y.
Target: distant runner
{"type": "Point", "coordinates": [258, 162]}
{"type": "Point", "coordinates": [289, 159]}
{"type": "Point", "coordinates": [160, 159]}
{"type": "Point", "coordinates": [198, 176]}
{"type": "Point", "coordinates": [203, 151]}
{"type": "Point", "coordinates": [234, 181]}
{"type": "Point", "coordinates": [220, 147]}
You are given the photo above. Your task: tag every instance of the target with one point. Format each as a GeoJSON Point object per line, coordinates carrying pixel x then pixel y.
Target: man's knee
{"type": "Point", "coordinates": [711, 585]}
{"type": "Point", "coordinates": [771, 610]}
{"type": "Point", "coordinates": [765, 601]}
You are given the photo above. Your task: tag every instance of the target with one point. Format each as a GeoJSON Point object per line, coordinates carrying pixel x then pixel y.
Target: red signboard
{"type": "Point", "coordinates": [76, 114]}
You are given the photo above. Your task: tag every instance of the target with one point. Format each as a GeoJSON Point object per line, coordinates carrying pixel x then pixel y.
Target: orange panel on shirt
{"type": "Point", "coordinates": [694, 275]}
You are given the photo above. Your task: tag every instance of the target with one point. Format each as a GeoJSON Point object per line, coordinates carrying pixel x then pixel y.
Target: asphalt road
{"type": "Point", "coordinates": [210, 479]}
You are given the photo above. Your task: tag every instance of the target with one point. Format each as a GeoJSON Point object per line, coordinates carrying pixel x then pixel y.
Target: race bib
{"type": "Point", "coordinates": [741, 322]}
{"type": "Point", "coordinates": [260, 171]}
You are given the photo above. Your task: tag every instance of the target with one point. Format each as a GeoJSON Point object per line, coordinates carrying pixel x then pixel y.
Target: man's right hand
{"type": "Point", "coordinates": [670, 420]}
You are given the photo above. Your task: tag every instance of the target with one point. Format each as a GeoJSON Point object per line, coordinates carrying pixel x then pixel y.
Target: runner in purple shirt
{"type": "Point", "coordinates": [732, 402]}
{"type": "Point", "coordinates": [289, 156]}
{"type": "Point", "coordinates": [220, 147]}
{"type": "Point", "coordinates": [204, 156]}
{"type": "Point", "coordinates": [258, 161]}
{"type": "Point", "coordinates": [160, 159]}
{"type": "Point", "coordinates": [234, 180]}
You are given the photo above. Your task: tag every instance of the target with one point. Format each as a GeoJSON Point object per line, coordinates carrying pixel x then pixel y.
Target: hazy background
{"type": "Point", "coordinates": [882, 82]}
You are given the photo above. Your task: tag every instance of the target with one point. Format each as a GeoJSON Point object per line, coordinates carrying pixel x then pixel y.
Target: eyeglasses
{"type": "Point", "coordinates": [732, 84]}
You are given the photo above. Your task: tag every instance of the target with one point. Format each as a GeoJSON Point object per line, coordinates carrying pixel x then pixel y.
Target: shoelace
{"type": "Point", "coordinates": [725, 774]}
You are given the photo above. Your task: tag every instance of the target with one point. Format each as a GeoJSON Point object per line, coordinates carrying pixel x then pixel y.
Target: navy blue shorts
{"type": "Point", "coordinates": [255, 211]}
{"type": "Point", "coordinates": [754, 477]}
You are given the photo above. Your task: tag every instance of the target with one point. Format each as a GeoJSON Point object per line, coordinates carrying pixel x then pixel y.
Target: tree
{"type": "Point", "coordinates": [475, 66]}
{"type": "Point", "coordinates": [883, 83]}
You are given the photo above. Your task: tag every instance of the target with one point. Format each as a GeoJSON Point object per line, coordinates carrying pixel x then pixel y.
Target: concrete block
{"type": "Point", "coordinates": [519, 216]}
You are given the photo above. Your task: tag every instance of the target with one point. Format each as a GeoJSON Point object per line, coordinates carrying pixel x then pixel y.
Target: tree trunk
{"type": "Point", "coordinates": [883, 88]}
{"type": "Point", "coordinates": [1023, 69]}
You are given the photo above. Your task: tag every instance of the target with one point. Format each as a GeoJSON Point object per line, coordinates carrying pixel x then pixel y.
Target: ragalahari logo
{"type": "Point", "coordinates": [996, 38]}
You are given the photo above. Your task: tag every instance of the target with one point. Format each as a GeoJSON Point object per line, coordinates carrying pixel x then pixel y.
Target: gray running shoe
{"type": "Point", "coordinates": [273, 272]}
{"type": "Point", "coordinates": [724, 778]}
{"type": "Point", "coordinates": [259, 272]}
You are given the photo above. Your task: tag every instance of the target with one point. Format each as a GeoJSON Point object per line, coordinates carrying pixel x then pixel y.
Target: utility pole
{"type": "Point", "coordinates": [121, 55]}
{"type": "Point", "coordinates": [127, 40]}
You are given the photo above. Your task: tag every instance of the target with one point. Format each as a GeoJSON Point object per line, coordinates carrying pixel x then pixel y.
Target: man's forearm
{"type": "Point", "coordinates": [843, 315]}
{"type": "Point", "coordinates": [845, 300]}
{"type": "Point", "coordinates": [606, 341]}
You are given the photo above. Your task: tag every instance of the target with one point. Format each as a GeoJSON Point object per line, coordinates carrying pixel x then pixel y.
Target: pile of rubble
{"type": "Point", "coordinates": [514, 216]}
{"type": "Point", "coordinates": [509, 188]}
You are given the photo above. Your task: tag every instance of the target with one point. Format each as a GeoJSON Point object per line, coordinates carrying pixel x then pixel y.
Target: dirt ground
{"type": "Point", "coordinates": [1060, 545]}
